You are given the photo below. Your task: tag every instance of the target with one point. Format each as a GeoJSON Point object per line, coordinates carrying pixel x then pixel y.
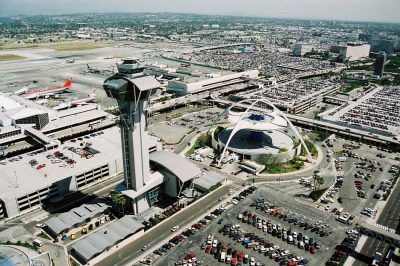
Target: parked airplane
{"type": "Point", "coordinates": [35, 94]}
{"type": "Point", "coordinates": [77, 102]}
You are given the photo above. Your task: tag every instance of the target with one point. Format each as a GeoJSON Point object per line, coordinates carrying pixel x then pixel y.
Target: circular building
{"type": "Point", "coordinates": [258, 134]}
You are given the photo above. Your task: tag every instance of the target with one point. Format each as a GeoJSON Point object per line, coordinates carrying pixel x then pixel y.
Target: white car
{"type": "Point", "coordinates": [40, 225]}
{"type": "Point", "coordinates": [176, 227]}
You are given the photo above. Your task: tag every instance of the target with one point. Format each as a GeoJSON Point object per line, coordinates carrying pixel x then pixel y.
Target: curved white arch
{"type": "Point", "coordinates": [237, 126]}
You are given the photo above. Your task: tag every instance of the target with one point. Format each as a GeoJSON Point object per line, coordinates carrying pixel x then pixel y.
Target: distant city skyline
{"type": "Point", "coordinates": [353, 10]}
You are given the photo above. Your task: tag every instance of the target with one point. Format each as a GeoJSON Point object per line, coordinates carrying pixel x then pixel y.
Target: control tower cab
{"type": "Point", "coordinates": [131, 66]}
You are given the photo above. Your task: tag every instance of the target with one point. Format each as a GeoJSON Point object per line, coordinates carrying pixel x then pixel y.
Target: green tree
{"type": "Point", "coordinates": [318, 181]}
{"type": "Point", "coordinates": [119, 200]}
{"type": "Point", "coordinates": [204, 140]}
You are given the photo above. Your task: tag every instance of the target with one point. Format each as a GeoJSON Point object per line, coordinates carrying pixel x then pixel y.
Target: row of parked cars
{"type": "Point", "coordinates": [330, 194]}
{"type": "Point", "coordinates": [343, 250]}
{"type": "Point", "coordinates": [359, 187]}
{"type": "Point", "coordinates": [368, 212]}
{"type": "Point", "coordinates": [288, 235]}
{"type": "Point", "coordinates": [262, 246]}
{"type": "Point", "coordinates": [13, 159]}
{"type": "Point", "coordinates": [316, 227]}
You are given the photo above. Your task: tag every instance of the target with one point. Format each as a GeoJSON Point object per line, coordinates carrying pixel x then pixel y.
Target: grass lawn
{"type": "Point", "coordinates": [320, 135]}
{"type": "Point", "coordinates": [10, 57]}
{"type": "Point", "coordinates": [284, 167]}
{"type": "Point", "coordinates": [202, 141]}
{"type": "Point", "coordinates": [77, 46]}
{"type": "Point", "coordinates": [348, 88]}
{"type": "Point", "coordinates": [311, 148]}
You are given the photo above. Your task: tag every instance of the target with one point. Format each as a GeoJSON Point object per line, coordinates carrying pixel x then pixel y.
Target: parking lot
{"type": "Point", "coordinates": [267, 227]}
{"type": "Point", "coordinates": [174, 129]}
{"type": "Point", "coordinates": [361, 174]}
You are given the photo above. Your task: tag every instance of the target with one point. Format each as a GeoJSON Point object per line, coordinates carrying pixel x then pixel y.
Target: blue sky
{"type": "Point", "coordinates": [359, 10]}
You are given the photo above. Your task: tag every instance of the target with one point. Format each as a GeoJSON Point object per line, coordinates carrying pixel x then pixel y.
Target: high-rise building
{"type": "Point", "coordinates": [380, 64]}
{"type": "Point", "coordinates": [354, 51]}
{"type": "Point", "coordinates": [383, 43]}
{"type": "Point", "coordinates": [301, 49]}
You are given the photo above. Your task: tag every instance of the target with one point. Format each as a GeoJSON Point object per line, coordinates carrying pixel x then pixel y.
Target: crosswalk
{"type": "Point", "coordinates": [234, 187]}
{"type": "Point", "coordinates": [385, 228]}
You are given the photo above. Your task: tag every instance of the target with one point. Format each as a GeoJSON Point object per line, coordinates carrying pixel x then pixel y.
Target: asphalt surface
{"type": "Point", "coordinates": [390, 218]}
{"type": "Point", "coordinates": [163, 231]}
{"type": "Point", "coordinates": [284, 202]}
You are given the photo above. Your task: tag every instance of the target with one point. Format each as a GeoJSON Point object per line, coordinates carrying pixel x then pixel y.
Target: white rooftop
{"type": "Point", "coordinates": [18, 178]}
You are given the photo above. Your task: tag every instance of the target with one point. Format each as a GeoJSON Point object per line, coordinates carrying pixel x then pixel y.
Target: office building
{"type": "Point", "coordinates": [300, 49]}
{"type": "Point", "coordinates": [379, 66]}
{"type": "Point", "coordinates": [354, 51]}
{"type": "Point", "coordinates": [381, 43]}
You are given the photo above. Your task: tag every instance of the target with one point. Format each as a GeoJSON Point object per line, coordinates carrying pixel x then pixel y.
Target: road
{"type": "Point", "coordinates": [390, 218]}
{"type": "Point", "coordinates": [163, 231]}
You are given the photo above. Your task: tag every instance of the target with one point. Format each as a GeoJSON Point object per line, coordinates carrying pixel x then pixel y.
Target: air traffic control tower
{"type": "Point", "coordinates": [132, 90]}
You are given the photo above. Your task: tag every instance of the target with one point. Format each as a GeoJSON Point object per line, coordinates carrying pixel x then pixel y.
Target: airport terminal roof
{"type": "Point", "coordinates": [207, 180]}
{"type": "Point", "coordinates": [179, 166]}
{"type": "Point", "coordinates": [111, 234]}
{"type": "Point", "coordinates": [31, 179]}
{"type": "Point", "coordinates": [6, 103]}
{"type": "Point", "coordinates": [68, 220]}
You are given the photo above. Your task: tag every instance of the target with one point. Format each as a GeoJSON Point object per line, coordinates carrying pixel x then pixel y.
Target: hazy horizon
{"type": "Point", "coordinates": [353, 10]}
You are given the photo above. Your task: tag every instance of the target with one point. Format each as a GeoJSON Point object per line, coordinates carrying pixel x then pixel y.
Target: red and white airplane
{"type": "Point", "coordinates": [35, 94]}
{"type": "Point", "coordinates": [77, 102]}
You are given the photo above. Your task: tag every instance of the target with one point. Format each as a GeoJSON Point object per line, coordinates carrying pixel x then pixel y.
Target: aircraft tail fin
{"type": "Point", "coordinates": [68, 83]}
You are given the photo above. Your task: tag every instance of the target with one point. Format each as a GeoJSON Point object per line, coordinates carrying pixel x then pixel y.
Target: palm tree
{"type": "Point", "coordinates": [119, 200]}
{"type": "Point", "coordinates": [318, 181]}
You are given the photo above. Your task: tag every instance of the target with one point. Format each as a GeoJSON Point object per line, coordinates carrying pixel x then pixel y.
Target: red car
{"type": "Point", "coordinates": [40, 166]}
{"type": "Point", "coordinates": [190, 256]}
{"type": "Point", "coordinates": [313, 250]}
{"type": "Point", "coordinates": [208, 249]}
{"type": "Point", "coordinates": [233, 261]}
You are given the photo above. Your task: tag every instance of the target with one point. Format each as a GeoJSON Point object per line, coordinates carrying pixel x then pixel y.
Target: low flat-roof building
{"type": "Point", "coordinates": [64, 222]}
{"type": "Point", "coordinates": [210, 81]}
{"type": "Point", "coordinates": [94, 244]}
